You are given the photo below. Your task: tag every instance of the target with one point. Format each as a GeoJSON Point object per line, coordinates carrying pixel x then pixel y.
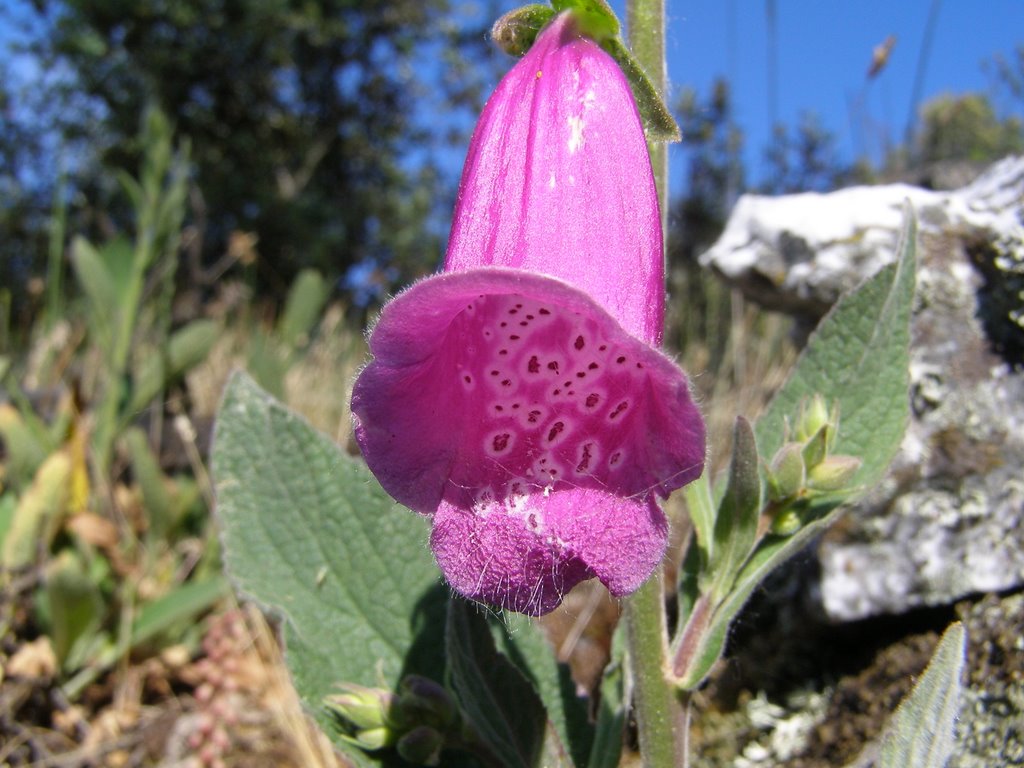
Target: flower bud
{"type": "Point", "coordinates": [816, 448]}
{"type": "Point", "coordinates": [364, 715]}
{"type": "Point", "coordinates": [374, 738]}
{"type": "Point", "coordinates": [787, 474]}
{"type": "Point", "coordinates": [421, 701]}
{"type": "Point", "coordinates": [787, 522]}
{"type": "Point", "coordinates": [834, 473]}
{"type": "Point", "coordinates": [421, 746]}
{"type": "Point", "coordinates": [813, 417]}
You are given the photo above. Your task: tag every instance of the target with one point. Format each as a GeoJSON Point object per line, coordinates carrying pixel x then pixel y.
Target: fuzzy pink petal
{"type": "Point", "coordinates": [491, 383]}
{"type": "Point", "coordinates": [525, 553]}
{"type": "Point", "coordinates": [558, 180]}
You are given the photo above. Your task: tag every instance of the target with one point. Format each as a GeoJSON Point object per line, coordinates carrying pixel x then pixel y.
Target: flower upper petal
{"type": "Point", "coordinates": [558, 180]}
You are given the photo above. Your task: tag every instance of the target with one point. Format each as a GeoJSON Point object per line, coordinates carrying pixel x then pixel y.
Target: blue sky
{"type": "Point", "coordinates": [824, 50]}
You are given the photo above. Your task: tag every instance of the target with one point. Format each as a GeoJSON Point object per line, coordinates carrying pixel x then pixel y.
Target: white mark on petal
{"type": "Point", "coordinates": [576, 125]}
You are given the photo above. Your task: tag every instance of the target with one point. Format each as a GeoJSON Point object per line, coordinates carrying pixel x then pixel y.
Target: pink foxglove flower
{"type": "Point", "coordinates": [519, 398]}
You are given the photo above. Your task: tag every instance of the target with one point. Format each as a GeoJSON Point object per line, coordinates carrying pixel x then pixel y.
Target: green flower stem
{"type": "Point", "coordinates": [645, 22]}
{"type": "Point", "coordinates": [659, 713]}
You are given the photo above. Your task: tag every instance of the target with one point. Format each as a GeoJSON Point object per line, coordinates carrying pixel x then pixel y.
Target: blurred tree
{"type": "Point", "coordinates": [714, 176]}
{"type": "Point", "coordinates": [966, 128]}
{"type": "Point", "coordinates": [801, 160]}
{"type": "Point", "coordinates": [699, 310]}
{"type": "Point", "coordinates": [318, 126]}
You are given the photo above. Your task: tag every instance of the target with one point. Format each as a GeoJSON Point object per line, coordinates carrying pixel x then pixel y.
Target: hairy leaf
{"type": "Point", "coordinates": [921, 732]}
{"type": "Point", "coordinates": [310, 536]}
{"type": "Point", "coordinates": [500, 704]}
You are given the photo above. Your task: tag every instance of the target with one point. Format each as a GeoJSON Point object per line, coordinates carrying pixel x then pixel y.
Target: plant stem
{"type": "Point", "coordinates": [659, 715]}
{"type": "Point", "coordinates": [645, 23]}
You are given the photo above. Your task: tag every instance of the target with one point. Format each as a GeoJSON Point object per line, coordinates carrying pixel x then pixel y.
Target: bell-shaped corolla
{"type": "Point", "coordinates": [520, 398]}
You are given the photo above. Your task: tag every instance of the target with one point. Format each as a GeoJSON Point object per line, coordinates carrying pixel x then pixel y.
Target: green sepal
{"type": "Point", "coordinates": [659, 125]}
{"type": "Point", "coordinates": [787, 474]}
{"type": "Point", "coordinates": [516, 31]}
{"type": "Point", "coordinates": [816, 448]}
{"type": "Point", "coordinates": [595, 18]}
{"type": "Point", "coordinates": [833, 474]}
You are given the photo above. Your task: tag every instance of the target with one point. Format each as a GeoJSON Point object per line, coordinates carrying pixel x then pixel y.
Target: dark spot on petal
{"type": "Point", "coordinates": [602, 348]}
{"type": "Point", "coordinates": [499, 408]}
{"type": "Point", "coordinates": [534, 365]}
{"type": "Point", "coordinates": [579, 342]}
{"type": "Point", "coordinates": [557, 392]}
{"type": "Point", "coordinates": [585, 460]}
{"type": "Point", "coordinates": [506, 382]}
{"type": "Point", "coordinates": [495, 373]}
{"type": "Point", "coordinates": [514, 337]}
{"type": "Point", "coordinates": [620, 359]}
{"type": "Point", "coordinates": [519, 306]}
{"type": "Point", "coordinates": [614, 459]}
{"type": "Point", "coordinates": [639, 365]}
{"type": "Point", "coordinates": [515, 406]}
{"type": "Point", "coordinates": [553, 366]}
{"type": "Point", "coordinates": [502, 351]}
{"type": "Point", "coordinates": [543, 311]}
{"type": "Point", "coordinates": [503, 324]}
{"type": "Point", "coordinates": [468, 379]}
{"type": "Point", "coordinates": [500, 442]}
{"type": "Point", "coordinates": [592, 367]}
{"type": "Point", "coordinates": [581, 375]}
{"type": "Point", "coordinates": [592, 400]}
{"type": "Point", "coordinates": [532, 416]}
{"type": "Point", "coordinates": [529, 317]}
{"type": "Point", "coordinates": [513, 311]}
{"type": "Point", "coordinates": [523, 323]}
{"type": "Point", "coordinates": [556, 429]}
{"type": "Point", "coordinates": [619, 409]}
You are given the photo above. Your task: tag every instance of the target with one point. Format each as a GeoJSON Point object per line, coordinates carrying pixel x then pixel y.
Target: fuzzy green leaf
{"type": "Point", "coordinates": [606, 750]}
{"type": "Point", "coordinates": [524, 643]}
{"type": "Point", "coordinates": [309, 535]}
{"type": "Point", "coordinates": [859, 355]}
{"type": "Point", "coordinates": [921, 732]}
{"type": "Point", "coordinates": [736, 522]}
{"type": "Point", "coordinates": [499, 703]}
